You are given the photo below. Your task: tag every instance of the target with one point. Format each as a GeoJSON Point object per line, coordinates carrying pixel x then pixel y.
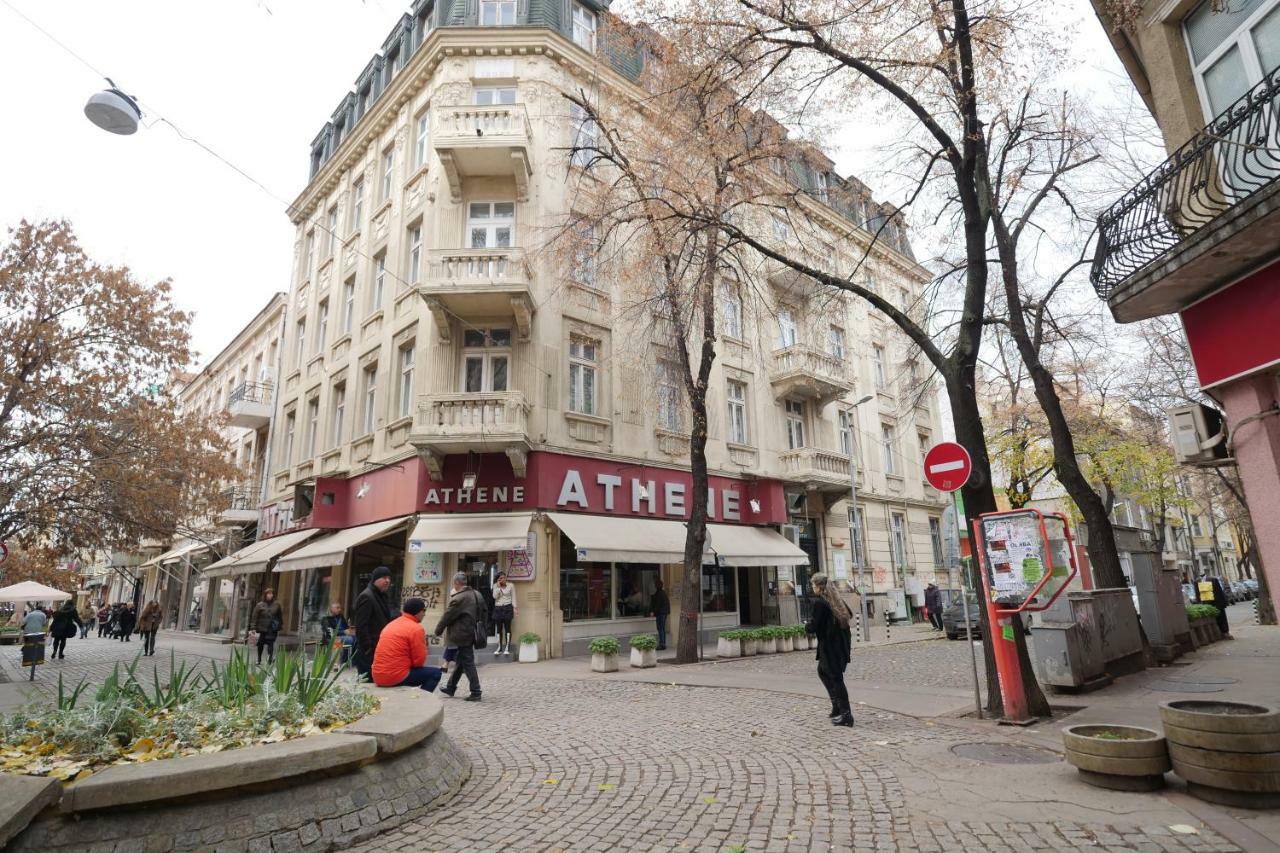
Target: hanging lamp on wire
{"type": "Point", "coordinates": [113, 110]}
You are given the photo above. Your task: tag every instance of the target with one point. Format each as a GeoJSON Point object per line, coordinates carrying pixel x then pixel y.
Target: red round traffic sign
{"type": "Point", "coordinates": [947, 466]}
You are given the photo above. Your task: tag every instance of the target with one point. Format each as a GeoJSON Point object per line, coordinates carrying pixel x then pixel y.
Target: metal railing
{"type": "Point", "coordinates": [250, 392]}
{"type": "Point", "coordinates": [242, 495]}
{"type": "Point", "coordinates": [1234, 157]}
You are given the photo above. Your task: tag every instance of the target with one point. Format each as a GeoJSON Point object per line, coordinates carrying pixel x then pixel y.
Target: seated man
{"type": "Point", "coordinates": [401, 654]}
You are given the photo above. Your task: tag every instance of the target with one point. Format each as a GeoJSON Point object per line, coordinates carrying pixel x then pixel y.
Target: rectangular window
{"type": "Point", "coordinates": [586, 245]}
{"type": "Point", "coordinates": [584, 136]}
{"type": "Point", "coordinates": [378, 290]}
{"type": "Point", "coordinates": [290, 427]}
{"type": "Point", "coordinates": [584, 27]}
{"type": "Point", "coordinates": [835, 342]}
{"type": "Point", "coordinates": [822, 183]}
{"type": "Point", "coordinates": [583, 355]}
{"type": "Point", "coordinates": [388, 173]}
{"type": "Point", "coordinates": [486, 357]}
{"type": "Point", "coordinates": [490, 96]}
{"type": "Point", "coordinates": [348, 305]}
{"type": "Point", "coordinates": [718, 590]}
{"type": "Point", "coordinates": [339, 414]}
{"type": "Point", "coordinates": [923, 440]}
{"type": "Point", "coordinates": [415, 253]}
{"type": "Point", "coordinates": [857, 529]}
{"type": "Point", "coordinates": [781, 228]}
{"type": "Point", "coordinates": [332, 230]}
{"type": "Point", "coordinates": [888, 442]}
{"type": "Point", "coordinates": [788, 333]}
{"type": "Point", "coordinates": [322, 325]}
{"type": "Point", "coordinates": [670, 397]}
{"type": "Point", "coordinates": [795, 424]}
{"type": "Point", "coordinates": [497, 13]}
{"type": "Point", "coordinates": [301, 353]}
{"type": "Point", "coordinates": [730, 311]}
{"type": "Point", "coordinates": [421, 137]}
{"type": "Point", "coordinates": [370, 380]}
{"type": "Point", "coordinates": [406, 380]}
{"type": "Point", "coordinates": [311, 255]}
{"type": "Point", "coordinates": [877, 366]}
{"type": "Point", "coordinates": [736, 394]}
{"type": "Point", "coordinates": [313, 425]}
{"type": "Point", "coordinates": [845, 424]}
{"type": "Point", "coordinates": [935, 539]}
{"type": "Point", "coordinates": [490, 224]}
{"type": "Point", "coordinates": [898, 539]}
{"type": "Point", "coordinates": [1196, 530]}
{"type": "Point", "coordinates": [357, 206]}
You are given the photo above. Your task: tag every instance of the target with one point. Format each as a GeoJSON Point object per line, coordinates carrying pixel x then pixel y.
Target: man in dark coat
{"type": "Point", "coordinates": [126, 620]}
{"type": "Point", "coordinates": [933, 602]}
{"type": "Point", "coordinates": [1221, 602]}
{"type": "Point", "coordinates": [660, 607]}
{"type": "Point", "coordinates": [466, 609]}
{"type": "Point", "coordinates": [373, 611]}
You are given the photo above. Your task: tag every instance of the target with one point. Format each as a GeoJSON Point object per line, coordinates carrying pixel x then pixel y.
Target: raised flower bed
{"type": "Point", "coordinates": [1229, 752]}
{"type": "Point", "coordinates": [1122, 758]}
{"type": "Point", "coordinates": [1202, 620]}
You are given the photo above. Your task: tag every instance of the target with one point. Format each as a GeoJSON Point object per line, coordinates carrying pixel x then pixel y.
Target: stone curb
{"type": "Point", "coordinates": [406, 717]}
{"type": "Point", "coordinates": [21, 799]}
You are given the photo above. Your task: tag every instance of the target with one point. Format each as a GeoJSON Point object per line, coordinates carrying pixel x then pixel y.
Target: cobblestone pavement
{"type": "Point", "coordinates": [600, 765]}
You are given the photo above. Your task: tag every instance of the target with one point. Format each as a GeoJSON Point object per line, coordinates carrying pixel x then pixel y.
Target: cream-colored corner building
{"type": "Point", "coordinates": [451, 399]}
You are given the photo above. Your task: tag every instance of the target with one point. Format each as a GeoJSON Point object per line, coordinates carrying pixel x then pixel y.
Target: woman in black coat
{"type": "Point", "coordinates": [63, 628]}
{"type": "Point", "coordinates": [829, 622]}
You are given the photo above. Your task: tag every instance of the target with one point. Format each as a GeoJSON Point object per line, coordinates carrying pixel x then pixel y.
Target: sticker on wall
{"type": "Point", "coordinates": [428, 566]}
{"type": "Point", "coordinates": [522, 563]}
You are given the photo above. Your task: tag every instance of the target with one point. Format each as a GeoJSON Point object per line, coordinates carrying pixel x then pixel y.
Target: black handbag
{"type": "Point", "coordinates": [481, 639]}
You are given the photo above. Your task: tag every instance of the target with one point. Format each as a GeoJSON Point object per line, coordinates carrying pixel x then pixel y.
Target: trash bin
{"type": "Point", "coordinates": [33, 651]}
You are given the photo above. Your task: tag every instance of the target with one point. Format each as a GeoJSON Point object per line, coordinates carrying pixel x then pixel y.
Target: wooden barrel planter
{"type": "Point", "coordinates": [1229, 752]}
{"type": "Point", "coordinates": [1122, 758]}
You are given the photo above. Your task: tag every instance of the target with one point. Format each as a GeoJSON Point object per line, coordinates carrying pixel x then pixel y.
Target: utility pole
{"type": "Point", "coordinates": [855, 524]}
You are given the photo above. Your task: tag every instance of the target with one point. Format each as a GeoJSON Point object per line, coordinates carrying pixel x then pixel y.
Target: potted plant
{"type": "Point", "coordinates": [803, 643]}
{"type": "Point", "coordinates": [786, 639]}
{"type": "Point", "coordinates": [604, 654]}
{"type": "Point", "coordinates": [529, 647]}
{"type": "Point", "coordinates": [766, 640]}
{"type": "Point", "coordinates": [644, 651]}
{"type": "Point", "coordinates": [750, 645]}
{"type": "Point", "coordinates": [1122, 758]}
{"type": "Point", "coordinates": [730, 644]}
{"type": "Point", "coordinates": [1225, 750]}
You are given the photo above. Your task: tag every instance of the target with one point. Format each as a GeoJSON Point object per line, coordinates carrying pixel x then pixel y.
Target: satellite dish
{"type": "Point", "coordinates": [113, 111]}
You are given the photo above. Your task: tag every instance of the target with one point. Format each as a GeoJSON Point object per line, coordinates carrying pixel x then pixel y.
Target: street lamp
{"type": "Point", "coordinates": [853, 513]}
{"type": "Point", "coordinates": [113, 111]}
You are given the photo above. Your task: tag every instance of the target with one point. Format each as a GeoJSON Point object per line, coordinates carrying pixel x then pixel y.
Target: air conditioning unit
{"type": "Point", "coordinates": [1199, 435]}
{"type": "Point", "coordinates": [791, 532]}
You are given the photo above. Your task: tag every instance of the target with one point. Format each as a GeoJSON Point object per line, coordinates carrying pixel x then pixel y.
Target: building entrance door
{"type": "Point", "coordinates": [481, 571]}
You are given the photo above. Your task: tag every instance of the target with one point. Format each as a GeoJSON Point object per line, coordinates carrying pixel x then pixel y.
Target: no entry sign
{"type": "Point", "coordinates": [947, 466]}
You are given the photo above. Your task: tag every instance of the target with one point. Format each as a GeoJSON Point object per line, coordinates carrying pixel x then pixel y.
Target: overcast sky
{"type": "Point", "coordinates": [252, 79]}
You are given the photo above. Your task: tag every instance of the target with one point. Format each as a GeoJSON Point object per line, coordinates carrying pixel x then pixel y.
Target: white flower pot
{"type": "Point", "coordinates": [786, 644]}
{"type": "Point", "coordinates": [727, 648]}
{"type": "Point", "coordinates": [643, 658]}
{"type": "Point", "coordinates": [750, 648]}
{"type": "Point", "coordinates": [768, 646]}
{"type": "Point", "coordinates": [813, 642]}
{"type": "Point", "coordinates": [604, 663]}
{"type": "Point", "coordinates": [528, 653]}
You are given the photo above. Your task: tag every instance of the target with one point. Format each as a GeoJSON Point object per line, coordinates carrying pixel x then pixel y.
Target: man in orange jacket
{"type": "Point", "coordinates": [401, 655]}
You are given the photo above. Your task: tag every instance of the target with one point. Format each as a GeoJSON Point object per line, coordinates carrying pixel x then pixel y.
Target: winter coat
{"type": "Point", "coordinates": [833, 641]}
{"type": "Point", "coordinates": [149, 620]}
{"type": "Point", "coordinates": [126, 620]}
{"type": "Point", "coordinates": [401, 646]}
{"type": "Point", "coordinates": [372, 613]}
{"type": "Point", "coordinates": [104, 615]}
{"type": "Point", "coordinates": [659, 604]}
{"type": "Point", "coordinates": [333, 626]}
{"type": "Point", "coordinates": [465, 610]}
{"type": "Point", "coordinates": [66, 623]}
{"type": "Point", "coordinates": [933, 599]}
{"type": "Point", "coordinates": [267, 617]}
{"type": "Point", "coordinates": [88, 615]}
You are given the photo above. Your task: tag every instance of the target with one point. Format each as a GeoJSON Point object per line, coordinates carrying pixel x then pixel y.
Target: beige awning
{"type": "Point", "coordinates": [256, 556]}
{"type": "Point", "coordinates": [332, 550]}
{"type": "Point", "coordinates": [454, 534]}
{"type": "Point", "coordinates": [739, 545]}
{"type": "Point", "coordinates": [175, 555]}
{"type": "Point", "coordinates": [616, 539]}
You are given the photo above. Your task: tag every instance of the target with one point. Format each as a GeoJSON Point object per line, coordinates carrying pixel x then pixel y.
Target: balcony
{"type": "Point", "coordinates": [792, 283]}
{"type": "Point", "coordinates": [240, 503]}
{"type": "Point", "coordinates": [478, 283]}
{"type": "Point", "coordinates": [249, 405]}
{"type": "Point", "coordinates": [801, 371]}
{"type": "Point", "coordinates": [823, 471]}
{"type": "Point", "coordinates": [489, 141]}
{"type": "Point", "coordinates": [1205, 217]}
{"type": "Point", "coordinates": [447, 424]}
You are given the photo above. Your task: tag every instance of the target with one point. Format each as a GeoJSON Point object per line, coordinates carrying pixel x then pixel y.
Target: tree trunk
{"type": "Point", "coordinates": [695, 538]}
{"type": "Point", "coordinates": [1266, 609]}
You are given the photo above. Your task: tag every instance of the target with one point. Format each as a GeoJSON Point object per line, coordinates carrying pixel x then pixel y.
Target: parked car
{"type": "Point", "coordinates": [1239, 592]}
{"type": "Point", "coordinates": [1252, 584]}
{"type": "Point", "coordinates": [1189, 593]}
{"type": "Point", "coordinates": [953, 619]}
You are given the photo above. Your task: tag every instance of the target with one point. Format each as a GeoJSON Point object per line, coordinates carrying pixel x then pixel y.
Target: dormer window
{"type": "Point", "coordinates": [584, 28]}
{"type": "Point", "coordinates": [497, 13]}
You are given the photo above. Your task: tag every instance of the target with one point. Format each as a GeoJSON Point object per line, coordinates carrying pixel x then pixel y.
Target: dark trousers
{"type": "Point", "coordinates": [465, 662]}
{"type": "Point", "coordinates": [426, 677]}
{"type": "Point", "coordinates": [362, 660]}
{"type": "Point", "coordinates": [102, 629]}
{"type": "Point", "coordinates": [935, 618]}
{"type": "Point", "coordinates": [661, 620]}
{"type": "Point", "coordinates": [149, 642]}
{"type": "Point", "coordinates": [267, 641]}
{"type": "Point", "coordinates": [1222, 618]}
{"type": "Point", "coordinates": [834, 682]}
{"type": "Point", "coordinates": [125, 636]}
{"type": "Point", "coordinates": [503, 627]}
{"type": "Point", "coordinates": [59, 647]}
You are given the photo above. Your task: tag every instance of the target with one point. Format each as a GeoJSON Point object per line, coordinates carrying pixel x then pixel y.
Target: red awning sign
{"type": "Point", "coordinates": [947, 466]}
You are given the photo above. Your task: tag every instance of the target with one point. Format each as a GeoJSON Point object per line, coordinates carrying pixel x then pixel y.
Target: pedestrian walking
{"type": "Point", "coordinates": [88, 618]}
{"type": "Point", "coordinates": [1220, 601]}
{"type": "Point", "coordinates": [104, 620]}
{"type": "Point", "coordinates": [829, 622]}
{"type": "Point", "coordinates": [933, 602]}
{"type": "Point", "coordinates": [372, 613]}
{"type": "Point", "coordinates": [660, 610]}
{"type": "Point", "coordinates": [114, 626]}
{"type": "Point", "coordinates": [266, 620]}
{"type": "Point", "coordinates": [400, 660]}
{"type": "Point", "coordinates": [148, 625]}
{"type": "Point", "coordinates": [504, 610]}
{"type": "Point", "coordinates": [128, 618]}
{"type": "Point", "coordinates": [463, 619]}
{"type": "Point", "coordinates": [65, 623]}
{"type": "Point", "coordinates": [338, 633]}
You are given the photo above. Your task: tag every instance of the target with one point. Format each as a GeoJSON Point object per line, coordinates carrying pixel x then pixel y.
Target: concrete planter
{"type": "Point", "coordinates": [1204, 631]}
{"type": "Point", "coordinates": [1121, 758]}
{"type": "Point", "coordinates": [750, 648]}
{"type": "Point", "coordinates": [528, 653]}
{"type": "Point", "coordinates": [604, 663]}
{"type": "Point", "coordinates": [1229, 752]}
{"type": "Point", "coordinates": [726, 648]}
{"type": "Point", "coordinates": [643, 658]}
{"type": "Point", "coordinates": [768, 646]}
{"type": "Point", "coordinates": [786, 644]}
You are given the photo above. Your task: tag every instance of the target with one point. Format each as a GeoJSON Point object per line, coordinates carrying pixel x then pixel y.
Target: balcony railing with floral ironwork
{"type": "Point", "coordinates": [250, 392]}
{"type": "Point", "coordinates": [1236, 156]}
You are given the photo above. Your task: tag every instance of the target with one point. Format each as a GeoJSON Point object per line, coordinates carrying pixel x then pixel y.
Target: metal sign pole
{"type": "Point", "coordinates": [968, 626]}
{"type": "Point", "coordinates": [856, 527]}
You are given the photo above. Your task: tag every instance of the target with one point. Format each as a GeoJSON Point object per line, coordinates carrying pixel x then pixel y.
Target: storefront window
{"type": "Point", "coordinates": [195, 607]}
{"type": "Point", "coordinates": [586, 589]}
{"type": "Point", "coordinates": [220, 617]}
{"type": "Point", "coordinates": [717, 589]}
{"type": "Point", "coordinates": [173, 599]}
{"type": "Point", "coordinates": [636, 583]}
{"type": "Point", "coordinates": [315, 602]}
{"type": "Point", "coordinates": [250, 593]}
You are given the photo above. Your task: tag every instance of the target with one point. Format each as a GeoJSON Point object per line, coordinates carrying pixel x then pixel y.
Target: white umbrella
{"type": "Point", "coordinates": [32, 591]}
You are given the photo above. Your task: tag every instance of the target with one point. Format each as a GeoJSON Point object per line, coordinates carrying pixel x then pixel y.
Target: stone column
{"type": "Point", "coordinates": [1256, 446]}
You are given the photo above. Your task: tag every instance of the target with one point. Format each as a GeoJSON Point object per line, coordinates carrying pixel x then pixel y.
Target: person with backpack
{"type": "Point", "coordinates": [463, 620]}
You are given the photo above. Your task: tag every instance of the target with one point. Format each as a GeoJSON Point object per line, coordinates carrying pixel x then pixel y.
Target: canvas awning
{"type": "Point", "coordinates": [332, 550]}
{"type": "Point", "coordinates": [256, 556]}
{"type": "Point", "coordinates": [454, 534]}
{"type": "Point", "coordinates": [32, 591]}
{"type": "Point", "coordinates": [175, 555]}
{"type": "Point", "coordinates": [739, 545]}
{"type": "Point", "coordinates": [618, 539]}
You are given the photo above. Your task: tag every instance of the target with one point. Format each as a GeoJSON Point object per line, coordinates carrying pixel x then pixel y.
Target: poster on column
{"type": "Point", "coordinates": [522, 563]}
{"type": "Point", "coordinates": [428, 566]}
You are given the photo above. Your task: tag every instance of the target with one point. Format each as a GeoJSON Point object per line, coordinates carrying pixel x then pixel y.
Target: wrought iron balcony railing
{"type": "Point", "coordinates": [250, 392]}
{"type": "Point", "coordinates": [1236, 156]}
